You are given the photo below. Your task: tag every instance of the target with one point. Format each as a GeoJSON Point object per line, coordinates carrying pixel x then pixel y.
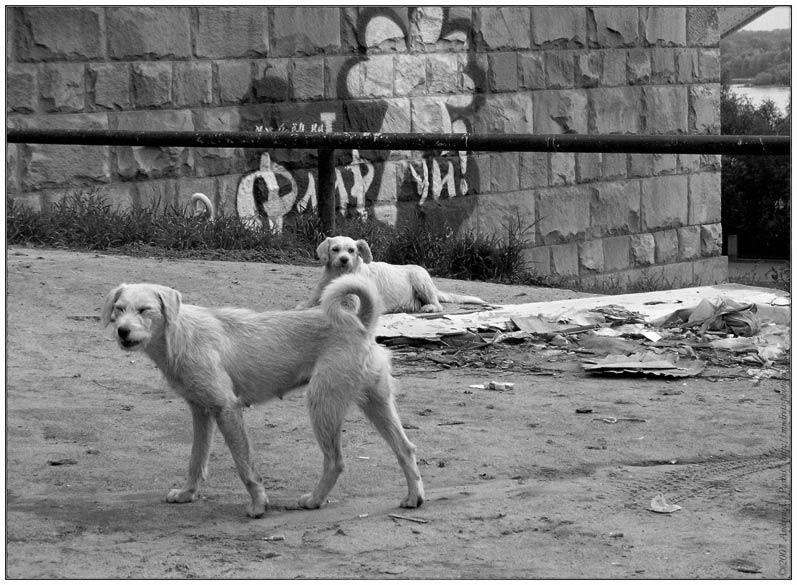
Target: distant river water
{"type": "Point", "coordinates": [758, 94]}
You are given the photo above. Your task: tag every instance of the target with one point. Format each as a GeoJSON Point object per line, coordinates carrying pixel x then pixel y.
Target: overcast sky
{"type": "Point", "coordinates": [775, 18]}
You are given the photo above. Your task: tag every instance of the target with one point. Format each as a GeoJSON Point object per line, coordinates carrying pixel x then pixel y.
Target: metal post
{"type": "Point", "coordinates": [326, 190]}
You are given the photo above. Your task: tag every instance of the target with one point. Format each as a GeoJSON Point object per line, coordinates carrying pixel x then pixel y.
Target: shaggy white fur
{"type": "Point", "coordinates": [221, 360]}
{"type": "Point", "coordinates": [403, 288]}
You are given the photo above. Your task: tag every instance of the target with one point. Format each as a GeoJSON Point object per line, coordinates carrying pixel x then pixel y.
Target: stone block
{"type": "Point", "coordinates": [709, 66]}
{"type": "Point", "coordinates": [686, 62]}
{"type": "Point", "coordinates": [305, 30]}
{"type": "Point", "coordinates": [614, 208]}
{"type": "Point", "coordinates": [643, 249]}
{"type": "Point", "coordinates": [506, 114]}
{"type": "Point", "coordinates": [503, 71]}
{"type": "Point", "coordinates": [217, 161]}
{"type": "Point", "coordinates": [616, 110]}
{"type": "Point", "coordinates": [532, 70]}
{"type": "Point", "coordinates": [152, 85]}
{"type": "Point", "coordinates": [561, 112]}
{"type": "Point", "coordinates": [667, 110]}
{"type": "Point", "coordinates": [153, 162]}
{"type": "Point", "coordinates": [410, 74]}
{"type": "Point", "coordinates": [616, 26]}
{"type": "Point", "coordinates": [377, 77]}
{"type": "Point", "coordinates": [12, 168]}
{"type": "Point", "coordinates": [120, 196]}
{"type": "Point", "coordinates": [664, 26]}
{"type": "Point", "coordinates": [111, 85]}
{"type": "Point", "coordinates": [478, 173]}
{"type": "Point", "coordinates": [615, 165]}
{"type": "Point", "coordinates": [442, 70]}
{"type": "Point", "coordinates": [564, 260]}
{"type": "Point", "coordinates": [307, 79]}
{"type": "Point", "coordinates": [503, 27]}
{"type": "Point", "coordinates": [57, 33]}
{"type": "Point", "coordinates": [614, 67]}
{"type": "Point", "coordinates": [533, 170]}
{"type": "Point", "coordinates": [563, 213]}
{"type": "Point", "coordinates": [588, 166]}
{"type": "Point", "coordinates": [711, 239]}
{"type": "Point", "coordinates": [710, 271]}
{"type": "Point", "coordinates": [638, 67]}
{"type": "Point", "coordinates": [689, 242]}
{"type": "Point", "coordinates": [665, 164]}
{"type": "Point", "coordinates": [559, 26]}
{"type": "Point", "coordinates": [473, 72]}
{"type": "Point", "coordinates": [504, 172]}
{"type": "Point", "coordinates": [193, 83]}
{"type": "Point", "coordinates": [225, 32]}
{"type": "Point", "coordinates": [589, 69]}
{"type": "Point", "coordinates": [666, 246]}
{"type": "Point", "coordinates": [616, 253]}
{"type": "Point", "coordinates": [397, 116]}
{"type": "Point", "coordinates": [710, 162]}
{"type": "Point", "coordinates": [148, 32]}
{"type": "Point", "coordinates": [384, 29]}
{"type": "Point", "coordinates": [62, 87]}
{"type": "Point", "coordinates": [664, 202]}
{"type": "Point", "coordinates": [590, 256]}
{"type": "Point", "coordinates": [498, 214]}
{"type": "Point", "coordinates": [704, 109]}
{"type": "Point", "coordinates": [388, 173]}
{"type": "Point", "coordinates": [563, 168]}
{"type": "Point", "coordinates": [560, 69]}
{"type": "Point", "coordinates": [428, 115]}
{"type": "Point", "coordinates": [640, 165]}
{"type": "Point", "coordinates": [228, 194]}
{"type": "Point", "coordinates": [272, 80]}
{"type": "Point", "coordinates": [538, 260]}
{"type": "Point", "coordinates": [21, 92]}
{"type": "Point", "coordinates": [662, 65]}
{"type": "Point", "coordinates": [156, 194]}
{"type": "Point", "coordinates": [688, 163]}
{"type": "Point", "coordinates": [52, 165]}
{"type": "Point", "coordinates": [702, 26]}
{"type": "Point", "coordinates": [705, 198]}
{"type": "Point", "coordinates": [235, 81]}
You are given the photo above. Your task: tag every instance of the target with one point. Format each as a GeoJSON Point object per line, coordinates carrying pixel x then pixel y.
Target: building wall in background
{"type": "Point", "coordinates": [515, 69]}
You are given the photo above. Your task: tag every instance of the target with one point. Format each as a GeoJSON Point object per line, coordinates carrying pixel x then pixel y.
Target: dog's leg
{"type": "Point", "coordinates": [327, 411]}
{"type": "Point", "coordinates": [200, 451]}
{"type": "Point", "coordinates": [231, 423]}
{"type": "Point", "coordinates": [426, 292]}
{"type": "Point", "coordinates": [380, 408]}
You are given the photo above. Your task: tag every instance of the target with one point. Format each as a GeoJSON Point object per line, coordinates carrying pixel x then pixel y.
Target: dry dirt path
{"type": "Point", "coordinates": [519, 484]}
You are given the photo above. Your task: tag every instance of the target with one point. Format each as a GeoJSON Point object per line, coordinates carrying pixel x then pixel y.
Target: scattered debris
{"type": "Point", "coordinates": [744, 566]}
{"type": "Point", "coordinates": [65, 461]}
{"type": "Point", "coordinates": [583, 411]}
{"type": "Point", "coordinates": [660, 505]}
{"type": "Point", "coordinates": [410, 518]}
{"type": "Point", "coordinates": [274, 538]}
{"type": "Point", "coordinates": [649, 364]}
{"type": "Point", "coordinates": [493, 385]}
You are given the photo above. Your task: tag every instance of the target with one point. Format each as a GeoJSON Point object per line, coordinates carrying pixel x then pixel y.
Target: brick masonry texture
{"type": "Point", "coordinates": [482, 69]}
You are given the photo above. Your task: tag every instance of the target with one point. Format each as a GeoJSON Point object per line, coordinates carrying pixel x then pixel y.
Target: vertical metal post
{"type": "Point", "coordinates": [326, 190]}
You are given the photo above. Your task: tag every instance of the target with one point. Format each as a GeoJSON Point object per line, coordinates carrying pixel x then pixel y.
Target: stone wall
{"type": "Point", "coordinates": [593, 217]}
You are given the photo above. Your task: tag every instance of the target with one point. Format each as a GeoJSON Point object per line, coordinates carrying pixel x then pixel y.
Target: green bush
{"type": "Point", "coordinates": [756, 198]}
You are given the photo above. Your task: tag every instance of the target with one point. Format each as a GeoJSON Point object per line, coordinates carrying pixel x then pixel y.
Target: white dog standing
{"type": "Point", "coordinates": [403, 288]}
{"type": "Point", "coordinates": [221, 360]}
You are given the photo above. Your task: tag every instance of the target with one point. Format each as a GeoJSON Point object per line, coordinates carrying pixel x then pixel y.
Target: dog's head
{"type": "Point", "coordinates": [343, 254]}
{"type": "Point", "coordinates": [139, 313]}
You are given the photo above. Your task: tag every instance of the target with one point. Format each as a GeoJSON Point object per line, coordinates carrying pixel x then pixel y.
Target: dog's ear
{"type": "Point", "coordinates": [364, 251]}
{"type": "Point", "coordinates": [107, 308]}
{"type": "Point", "coordinates": [323, 251]}
{"type": "Point", "coordinates": [170, 301]}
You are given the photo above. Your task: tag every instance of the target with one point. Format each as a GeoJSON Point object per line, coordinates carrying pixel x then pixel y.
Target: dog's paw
{"type": "Point", "coordinates": [308, 502]}
{"type": "Point", "coordinates": [256, 510]}
{"type": "Point", "coordinates": [432, 308]}
{"type": "Point", "coordinates": [412, 501]}
{"type": "Point", "coordinates": [181, 496]}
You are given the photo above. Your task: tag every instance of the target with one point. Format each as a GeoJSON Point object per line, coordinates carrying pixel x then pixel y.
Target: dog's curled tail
{"type": "Point", "coordinates": [336, 302]}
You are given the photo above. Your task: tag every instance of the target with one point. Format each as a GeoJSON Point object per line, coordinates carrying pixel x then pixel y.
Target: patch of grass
{"type": "Point", "coordinates": [86, 221]}
{"type": "Point", "coordinates": [776, 277]}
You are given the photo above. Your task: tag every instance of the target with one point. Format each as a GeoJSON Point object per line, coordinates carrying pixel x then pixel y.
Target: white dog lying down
{"type": "Point", "coordinates": [403, 288]}
{"type": "Point", "coordinates": [221, 360]}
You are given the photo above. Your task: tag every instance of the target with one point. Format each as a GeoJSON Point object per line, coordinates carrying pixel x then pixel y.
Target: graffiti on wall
{"type": "Point", "coordinates": [272, 191]}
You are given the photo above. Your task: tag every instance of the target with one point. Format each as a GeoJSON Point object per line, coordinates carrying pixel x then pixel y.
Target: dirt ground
{"type": "Point", "coordinates": [519, 484]}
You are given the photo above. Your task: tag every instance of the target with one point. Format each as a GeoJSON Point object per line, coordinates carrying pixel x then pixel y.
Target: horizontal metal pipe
{"type": "Point", "coordinates": [703, 144]}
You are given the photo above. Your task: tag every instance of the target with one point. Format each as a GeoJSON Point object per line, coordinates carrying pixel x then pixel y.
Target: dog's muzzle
{"type": "Point", "coordinates": [124, 338]}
